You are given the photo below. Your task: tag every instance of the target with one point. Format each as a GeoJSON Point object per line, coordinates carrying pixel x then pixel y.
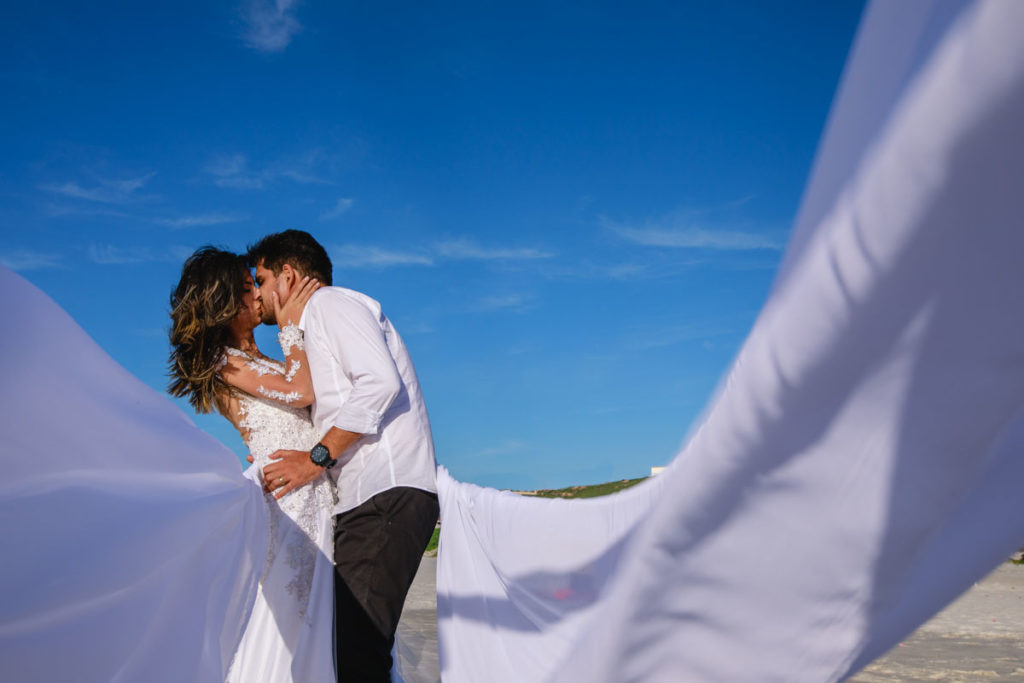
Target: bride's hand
{"type": "Point", "coordinates": [290, 312]}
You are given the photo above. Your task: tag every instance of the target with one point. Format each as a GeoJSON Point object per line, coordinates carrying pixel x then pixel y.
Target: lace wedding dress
{"type": "Point", "coordinates": [290, 635]}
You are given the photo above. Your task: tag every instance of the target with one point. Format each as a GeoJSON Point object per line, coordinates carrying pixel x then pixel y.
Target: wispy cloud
{"type": "Point", "coordinates": [104, 190]}
{"type": "Point", "coordinates": [696, 238]}
{"type": "Point", "coordinates": [516, 303]}
{"type": "Point", "coordinates": [270, 25]}
{"type": "Point", "coordinates": [418, 328]}
{"type": "Point", "coordinates": [674, 231]}
{"type": "Point", "coordinates": [200, 220]}
{"type": "Point", "coordinates": [676, 334]}
{"type": "Point", "coordinates": [141, 217]}
{"type": "Point", "coordinates": [358, 256]}
{"type": "Point", "coordinates": [108, 254]}
{"type": "Point", "coordinates": [625, 271]}
{"type": "Point", "coordinates": [652, 267]}
{"type": "Point", "coordinates": [463, 249]}
{"type": "Point", "coordinates": [79, 209]}
{"type": "Point", "coordinates": [240, 182]}
{"type": "Point", "coordinates": [298, 174]}
{"type": "Point", "coordinates": [233, 171]}
{"type": "Point", "coordinates": [305, 168]}
{"type": "Point", "coordinates": [340, 209]}
{"type": "Point", "coordinates": [28, 259]}
{"type": "Point", "coordinates": [367, 256]}
{"type": "Point", "coordinates": [113, 255]}
{"type": "Point", "coordinates": [587, 270]}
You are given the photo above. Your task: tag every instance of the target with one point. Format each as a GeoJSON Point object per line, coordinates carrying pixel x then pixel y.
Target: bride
{"type": "Point", "coordinates": [215, 363]}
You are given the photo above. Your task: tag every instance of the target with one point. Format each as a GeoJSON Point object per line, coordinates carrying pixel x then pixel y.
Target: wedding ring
{"type": "Point", "coordinates": [281, 479]}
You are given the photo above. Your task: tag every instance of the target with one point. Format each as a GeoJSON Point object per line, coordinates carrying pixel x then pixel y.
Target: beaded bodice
{"type": "Point", "coordinates": [268, 423]}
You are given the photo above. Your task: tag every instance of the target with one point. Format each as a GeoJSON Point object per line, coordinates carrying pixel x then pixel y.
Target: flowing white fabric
{"type": "Point", "coordinates": [132, 542]}
{"type": "Point", "coordinates": [136, 547]}
{"type": "Point", "coordinates": [860, 465]}
{"type": "Point", "coordinates": [518, 577]}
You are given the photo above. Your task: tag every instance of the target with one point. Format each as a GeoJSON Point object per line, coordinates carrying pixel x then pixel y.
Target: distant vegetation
{"type": "Point", "coordinates": [432, 545]}
{"type": "Point", "coordinates": [591, 491]}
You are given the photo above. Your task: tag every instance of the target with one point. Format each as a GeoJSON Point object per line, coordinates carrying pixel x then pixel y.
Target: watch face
{"type": "Point", "coordinates": [320, 455]}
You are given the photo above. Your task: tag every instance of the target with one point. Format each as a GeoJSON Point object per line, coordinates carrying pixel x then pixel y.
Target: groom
{"type": "Point", "coordinates": [375, 442]}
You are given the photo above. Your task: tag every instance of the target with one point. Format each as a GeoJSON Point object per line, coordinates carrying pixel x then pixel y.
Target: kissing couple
{"type": "Point", "coordinates": [340, 441]}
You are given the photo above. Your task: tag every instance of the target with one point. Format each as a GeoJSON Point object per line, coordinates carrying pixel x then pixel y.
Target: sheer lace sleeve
{"type": "Point", "coordinates": [287, 383]}
{"type": "Point", "coordinates": [229, 405]}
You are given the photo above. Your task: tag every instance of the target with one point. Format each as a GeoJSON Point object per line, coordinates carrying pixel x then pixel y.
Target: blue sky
{"type": "Point", "coordinates": [571, 211]}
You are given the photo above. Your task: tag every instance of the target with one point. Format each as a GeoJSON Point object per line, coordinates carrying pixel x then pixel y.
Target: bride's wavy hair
{"type": "Point", "coordinates": [206, 300]}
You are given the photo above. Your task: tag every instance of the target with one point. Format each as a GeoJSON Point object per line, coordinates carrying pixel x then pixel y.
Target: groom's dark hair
{"type": "Point", "coordinates": [295, 247]}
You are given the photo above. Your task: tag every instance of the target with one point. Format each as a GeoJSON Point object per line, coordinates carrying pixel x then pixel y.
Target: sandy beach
{"type": "Point", "coordinates": [980, 637]}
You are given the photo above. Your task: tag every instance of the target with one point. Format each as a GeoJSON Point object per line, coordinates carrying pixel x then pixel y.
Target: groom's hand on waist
{"type": "Point", "coordinates": [288, 471]}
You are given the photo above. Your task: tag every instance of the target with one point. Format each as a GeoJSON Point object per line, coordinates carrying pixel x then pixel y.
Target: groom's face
{"type": "Point", "coordinates": [268, 283]}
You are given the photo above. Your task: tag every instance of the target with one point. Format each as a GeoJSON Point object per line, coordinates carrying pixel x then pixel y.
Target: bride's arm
{"type": "Point", "coordinates": [295, 386]}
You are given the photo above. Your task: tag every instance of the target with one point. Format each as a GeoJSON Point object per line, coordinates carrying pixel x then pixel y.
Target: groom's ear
{"type": "Point", "coordinates": [288, 276]}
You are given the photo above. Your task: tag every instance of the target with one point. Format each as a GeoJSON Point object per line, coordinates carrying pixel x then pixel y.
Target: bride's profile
{"type": "Point", "coordinates": [215, 363]}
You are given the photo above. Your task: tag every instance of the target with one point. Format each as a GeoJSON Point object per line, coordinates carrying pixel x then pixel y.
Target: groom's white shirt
{"type": "Point", "coordinates": [364, 382]}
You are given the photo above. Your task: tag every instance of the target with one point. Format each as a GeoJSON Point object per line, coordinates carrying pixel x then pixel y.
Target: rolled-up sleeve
{"type": "Point", "coordinates": [353, 335]}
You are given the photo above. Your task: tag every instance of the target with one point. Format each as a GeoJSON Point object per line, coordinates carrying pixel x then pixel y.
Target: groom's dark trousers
{"type": "Point", "coordinates": [377, 549]}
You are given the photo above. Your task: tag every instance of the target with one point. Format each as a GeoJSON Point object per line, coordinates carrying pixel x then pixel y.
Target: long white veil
{"type": "Point", "coordinates": [132, 541]}
{"type": "Point", "coordinates": [860, 465]}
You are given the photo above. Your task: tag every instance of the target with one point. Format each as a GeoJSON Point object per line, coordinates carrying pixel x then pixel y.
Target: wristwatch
{"type": "Point", "coordinates": [322, 457]}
